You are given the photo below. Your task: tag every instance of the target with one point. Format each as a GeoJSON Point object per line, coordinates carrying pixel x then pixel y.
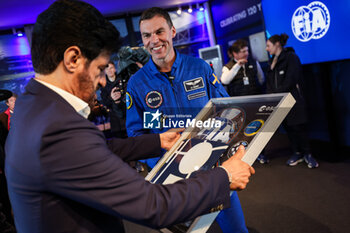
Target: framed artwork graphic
{"type": "Point", "coordinates": [215, 134]}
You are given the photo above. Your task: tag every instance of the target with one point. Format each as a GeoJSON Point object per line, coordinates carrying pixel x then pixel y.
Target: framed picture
{"type": "Point", "coordinates": [215, 134]}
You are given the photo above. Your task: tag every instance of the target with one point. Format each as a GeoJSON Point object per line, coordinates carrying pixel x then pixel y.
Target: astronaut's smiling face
{"type": "Point", "coordinates": [157, 37]}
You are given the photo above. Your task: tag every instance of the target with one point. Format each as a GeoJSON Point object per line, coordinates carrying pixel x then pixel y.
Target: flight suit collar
{"type": "Point", "coordinates": [155, 72]}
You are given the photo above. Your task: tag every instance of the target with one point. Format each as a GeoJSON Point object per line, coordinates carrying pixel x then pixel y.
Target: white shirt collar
{"type": "Point", "coordinates": [78, 104]}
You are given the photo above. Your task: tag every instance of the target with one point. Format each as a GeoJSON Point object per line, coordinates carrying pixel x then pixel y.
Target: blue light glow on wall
{"type": "Point", "coordinates": [15, 64]}
{"type": "Point", "coordinates": [12, 45]}
{"type": "Point", "coordinates": [121, 26]}
{"type": "Point", "coordinates": [22, 46]}
{"type": "Point", "coordinates": [200, 16]}
{"type": "Point", "coordinates": [233, 16]}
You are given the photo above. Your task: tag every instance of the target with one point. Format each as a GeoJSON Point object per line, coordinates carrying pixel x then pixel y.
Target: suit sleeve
{"type": "Point", "coordinates": [215, 88]}
{"type": "Point", "coordinates": [89, 173]}
{"type": "Point", "coordinates": [134, 113]}
{"type": "Point", "coordinates": [135, 148]}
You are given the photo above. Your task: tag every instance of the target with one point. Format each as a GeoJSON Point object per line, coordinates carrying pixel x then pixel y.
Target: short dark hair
{"type": "Point", "coordinates": [111, 62]}
{"type": "Point", "coordinates": [238, 45]}
{"type": "Point", "coordinates": [67, 23]}
{"type": "Point", "coordinates": [279, 38]}
{"type": "Point", "coordinates": [12, 95]}
{"type": "Point", "coordinates": [151, 12]}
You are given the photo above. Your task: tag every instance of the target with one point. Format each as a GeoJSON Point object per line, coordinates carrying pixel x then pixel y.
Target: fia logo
{"type": "Point", "coordinates": [311, 21]}
{"type": "Point", "coordinates": [152, 120]}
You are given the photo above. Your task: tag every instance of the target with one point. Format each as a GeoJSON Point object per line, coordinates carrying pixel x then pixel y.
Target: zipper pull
{"type": "Point", "coordinates": [171, 78]}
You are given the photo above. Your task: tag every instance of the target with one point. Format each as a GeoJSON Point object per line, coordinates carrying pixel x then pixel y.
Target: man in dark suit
{"type": "Point", "coordinates": [62, 177]}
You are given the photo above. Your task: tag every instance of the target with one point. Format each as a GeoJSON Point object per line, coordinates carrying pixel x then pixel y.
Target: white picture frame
{"type": "Point", "coordinates": [248, 120]}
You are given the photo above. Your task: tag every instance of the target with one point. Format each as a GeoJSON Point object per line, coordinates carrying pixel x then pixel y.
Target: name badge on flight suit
{"type": "Point", "coordinates": [193, 84]}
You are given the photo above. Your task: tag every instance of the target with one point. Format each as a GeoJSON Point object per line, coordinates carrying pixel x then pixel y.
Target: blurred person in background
{"type": "Point", "coordinates": [5, 119]}
{"type": "Point", "coordinates": [243, 75]}
{"type": "Point", "coordinates": [111, 96]}
{"type": "Point", "coordinates": [285, 75]}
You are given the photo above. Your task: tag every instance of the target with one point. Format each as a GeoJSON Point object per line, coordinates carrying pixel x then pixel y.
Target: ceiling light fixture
{"type": "Point", "coordinates": [190, 9]}
{"type": "Point", "coordinates": [17, 32]}
{"type": "Point", "coordinates": [179, 11]}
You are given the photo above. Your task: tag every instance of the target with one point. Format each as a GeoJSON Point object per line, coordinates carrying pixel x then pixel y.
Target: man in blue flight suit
{"type": "Point", "coordinates": [172, 84]}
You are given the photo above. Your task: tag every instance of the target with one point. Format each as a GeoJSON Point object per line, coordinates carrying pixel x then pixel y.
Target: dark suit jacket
{"type": "Point", "coordinates": [4, 119]}
{"type": "Point", "coordinates": [286, 77]}
{"type": "Point", "coordinates": [62, 177]}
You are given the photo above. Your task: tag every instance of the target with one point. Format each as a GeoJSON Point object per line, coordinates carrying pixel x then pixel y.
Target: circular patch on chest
{"type": "Point", "coordinates": [154, 99]}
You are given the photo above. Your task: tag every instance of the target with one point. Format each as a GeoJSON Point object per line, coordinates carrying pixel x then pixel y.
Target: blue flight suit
{"type": "Point", "coordinates": [183, 92]}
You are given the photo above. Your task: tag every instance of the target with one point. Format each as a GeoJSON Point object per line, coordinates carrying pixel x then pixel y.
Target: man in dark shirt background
{"type": "Point", "coordinates": [111, 96]}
